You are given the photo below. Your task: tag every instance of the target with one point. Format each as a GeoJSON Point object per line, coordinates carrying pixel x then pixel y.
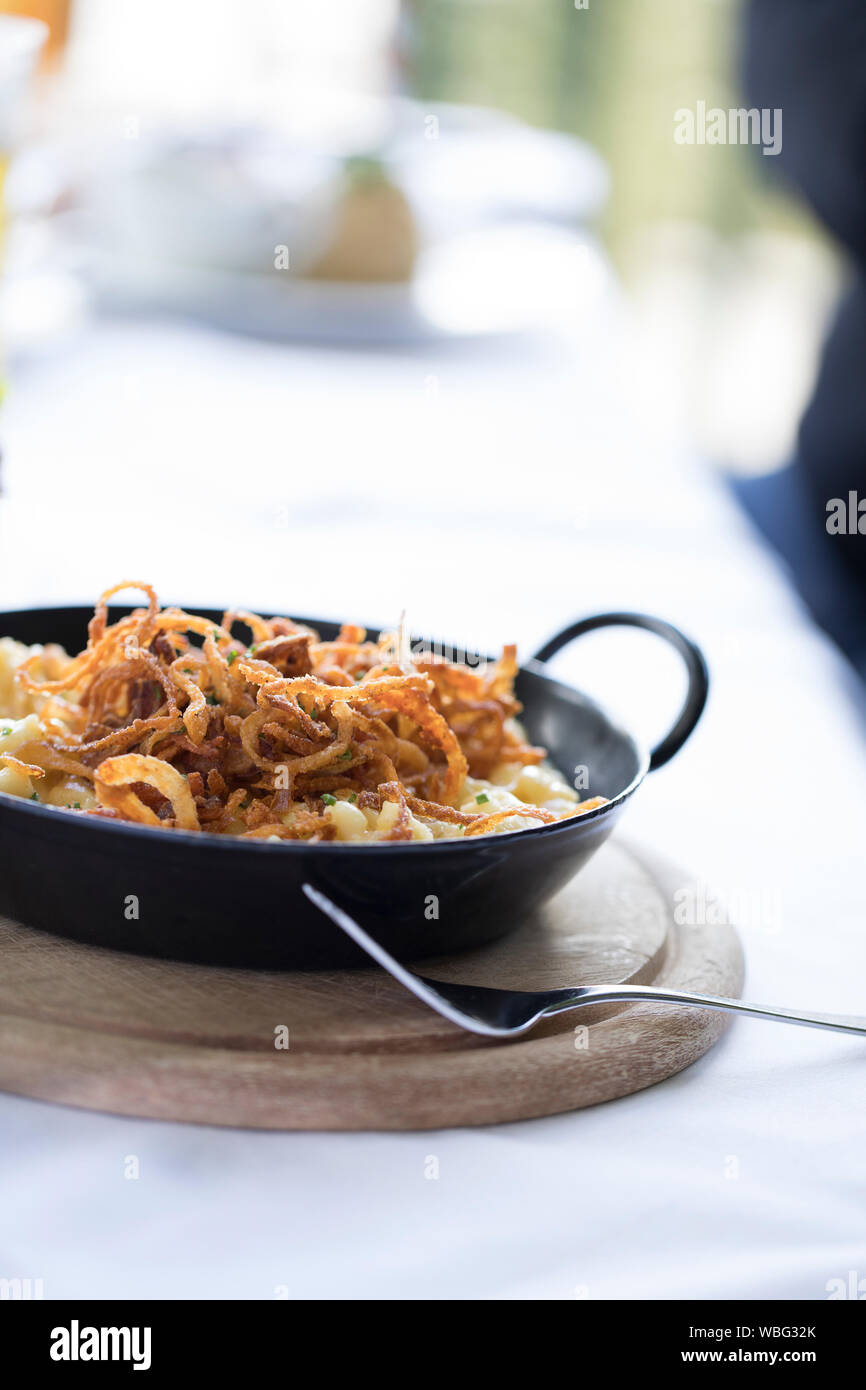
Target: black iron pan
{"type": "Point", "coordinates": [223, 901]}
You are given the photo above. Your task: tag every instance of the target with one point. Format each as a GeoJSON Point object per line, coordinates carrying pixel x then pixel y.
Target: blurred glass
{"type": "Point", "coordinates": [54, 14]}
{"type": "Point", "coordinates": [21, 41]}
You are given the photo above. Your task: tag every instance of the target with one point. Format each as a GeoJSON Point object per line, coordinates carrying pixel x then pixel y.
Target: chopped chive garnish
{"type": "Point", "coordinates": [314, 713]}
{"type": "Point", "coordinates": [214, 634]}
{"type": "Point", "coordinates": [232, 656]}
{"type": "Point", "coordinates": [212, 699]}
{"type": "Point", "coordinates": [4, 732]}
{"type": "Point", "coordinates": [481, 798]}
{"type": "Point", "coordinates": [353, 798]}
{"type": "Point", "coordinates": [347, 755]}
{"type": "Point", "coordinates": [76, 805]}
{"type": "Point", "coordinates": [35, 796]}
{"type": "Point", "coordinates": [254, 648]}
{"type": "Point", "coordinates": [328, 799]}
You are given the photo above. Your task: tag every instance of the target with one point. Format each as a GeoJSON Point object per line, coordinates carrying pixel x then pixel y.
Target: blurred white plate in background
{"type": "Point", "coordinates": [187, 224]}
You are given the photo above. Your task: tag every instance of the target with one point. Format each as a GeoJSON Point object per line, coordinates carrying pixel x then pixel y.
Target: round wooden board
{"type": "Point", "coordinates": [168, 1040]}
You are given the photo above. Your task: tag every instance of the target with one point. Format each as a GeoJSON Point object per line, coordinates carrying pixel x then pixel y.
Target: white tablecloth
{"type": "Point", "coordinates": [494, 492]}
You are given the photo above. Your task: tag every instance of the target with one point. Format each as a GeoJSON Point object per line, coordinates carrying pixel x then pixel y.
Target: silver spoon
{"type": "Point", "coordinates": [506, 1013]}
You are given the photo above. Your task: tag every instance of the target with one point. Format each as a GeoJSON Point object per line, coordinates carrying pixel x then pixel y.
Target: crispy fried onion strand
{"type": "Point", "coordinates": [17, 765]}
{"type": "Point", "coordinates": [117, 780]}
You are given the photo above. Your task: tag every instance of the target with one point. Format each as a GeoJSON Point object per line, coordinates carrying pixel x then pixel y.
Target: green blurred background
{"type": "Point", "coordinates": [612, 73]}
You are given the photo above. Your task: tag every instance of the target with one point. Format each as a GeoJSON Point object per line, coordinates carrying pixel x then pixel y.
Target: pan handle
{"type": "Point", "coordinates": [696, 666]}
